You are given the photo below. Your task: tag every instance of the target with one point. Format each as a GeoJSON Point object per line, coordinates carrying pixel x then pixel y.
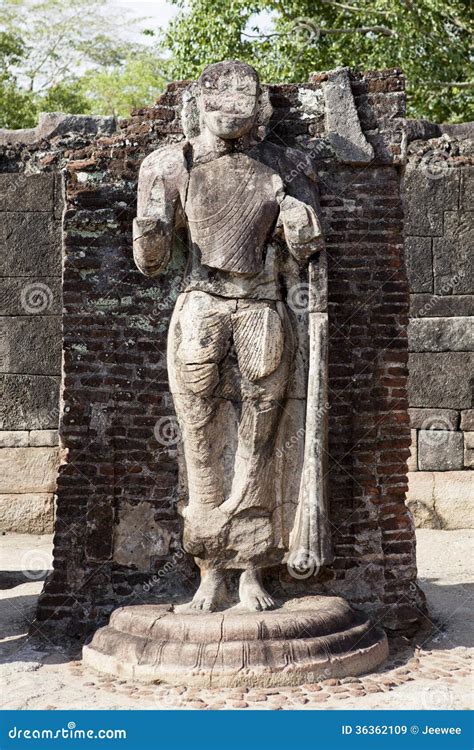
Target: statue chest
{"type": "Point", "coordinates": [231, 209]}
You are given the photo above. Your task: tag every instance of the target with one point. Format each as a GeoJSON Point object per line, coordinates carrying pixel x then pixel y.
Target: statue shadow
{"type": "Point", "coordinates": [450, 612]}
{"type": "Point", "coordinates": [18, 602]}
{"type": "Point", "coordinates": [446, 625]}
{"type": "Point", "coordinates": [11, 578]}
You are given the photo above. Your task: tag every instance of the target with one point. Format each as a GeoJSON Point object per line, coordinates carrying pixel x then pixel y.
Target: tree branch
{"type": "Point", "coordinates": [453, 84]}
{"type": "Point", "coordinates": [354, 9]}
{"type": "Point", "coordinates": [360, 30]}
{"type": "Point", "coordinates": [309, 25]}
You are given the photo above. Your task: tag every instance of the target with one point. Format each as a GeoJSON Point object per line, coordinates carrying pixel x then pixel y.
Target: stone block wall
{"type": "Point", "coordinates": [30, 348]}
{"type": "Point", "coordinates": [439, 245]}
{"type": "Point", "coordinates": [31, 212]}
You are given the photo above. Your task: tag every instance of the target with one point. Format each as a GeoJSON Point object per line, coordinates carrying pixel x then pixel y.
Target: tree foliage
{"type": "Point", "coordinates": [135, 81]}
{"type": "Point", "coordinates": [429, 39]}
{"type": "Point", "coordinates": [15, 105]}
{"type": "Point", "coordinates": [77, 55]}
{"type": "Point", "coordinates": [73, 57]}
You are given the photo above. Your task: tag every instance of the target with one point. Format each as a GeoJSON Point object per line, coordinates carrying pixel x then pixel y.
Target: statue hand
{"type": "Point", "coordinates": [301, 228]}
{"type": "Point", "coordinates": [151, 245]}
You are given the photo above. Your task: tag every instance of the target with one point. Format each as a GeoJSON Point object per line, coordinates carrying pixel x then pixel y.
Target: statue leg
{"type": "Point", "coordinates": [252, 593]}
{"type": "Point", "coordinates": [253, 497]}
{"type": "Point", "coordinates": [212, 588]}
{"type": "Point", "coordinates": [198, 340]}
{"type": "Point", "coordinates": [264, 360]}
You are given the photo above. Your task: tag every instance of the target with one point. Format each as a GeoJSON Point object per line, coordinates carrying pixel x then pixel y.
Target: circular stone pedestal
{"type": "Point", "coordinates": [305, 640]}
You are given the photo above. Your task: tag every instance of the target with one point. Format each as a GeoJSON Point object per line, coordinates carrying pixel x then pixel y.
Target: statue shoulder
{"type": "Point", "coordinates": [163, 178]}
{"type": "Point", "coordinates": [167, 163]}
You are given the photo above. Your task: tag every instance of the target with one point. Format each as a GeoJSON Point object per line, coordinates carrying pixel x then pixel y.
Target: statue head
{"type": "Point", "coordinates": [229, 98]}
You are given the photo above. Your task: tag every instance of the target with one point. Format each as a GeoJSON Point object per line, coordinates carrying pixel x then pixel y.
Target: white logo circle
{"type": "Point", "coordinates": [36, 297]}
{"type": "Point", "coordinates": [435, 429]}
{"type": "Point", "coordinates": [35, 564]}
{"type": "Point", "coordinates": [298, 298]}
{"type": "Point", "coordinates": [302, 564]}
{"type": "Point", "coordinates": [435, 164]}
{"type": "Point", "coordinates": [166, 431]}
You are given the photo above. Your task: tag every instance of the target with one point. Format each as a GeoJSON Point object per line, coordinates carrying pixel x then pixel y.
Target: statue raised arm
{"type": "Point", "coordinates": [161, 192]}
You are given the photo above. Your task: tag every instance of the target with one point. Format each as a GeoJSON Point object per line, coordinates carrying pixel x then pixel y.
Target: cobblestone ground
{"type": "Point", "coordinates": [434, 670]}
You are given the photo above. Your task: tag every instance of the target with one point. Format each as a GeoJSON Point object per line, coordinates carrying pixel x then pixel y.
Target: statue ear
{"type": "Point", "coordinates": [190, 117]}
{"type": "Point", "coordinates": [264, 112]}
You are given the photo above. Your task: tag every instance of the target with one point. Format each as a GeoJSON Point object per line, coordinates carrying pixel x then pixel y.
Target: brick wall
{"type": "Point", "coordinates": [118, 533]}
{"type": "Point", "coordinates": [439, 242]}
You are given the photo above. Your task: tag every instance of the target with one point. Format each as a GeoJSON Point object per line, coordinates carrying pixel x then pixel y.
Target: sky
{"type": "Point", "coordinates": [159, 13]}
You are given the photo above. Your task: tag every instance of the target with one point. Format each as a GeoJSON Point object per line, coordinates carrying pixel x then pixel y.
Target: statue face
{"type": "Point", "coordinates": [229, 99]}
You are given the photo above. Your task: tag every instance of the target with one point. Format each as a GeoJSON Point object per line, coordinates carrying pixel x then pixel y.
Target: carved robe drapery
{"type": "Point", "coordinates": [246, 347]}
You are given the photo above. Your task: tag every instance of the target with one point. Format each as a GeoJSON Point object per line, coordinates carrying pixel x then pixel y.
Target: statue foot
{"type": "Point", "coordinates": [251, 592]}
{"type": "Point", "coordinates": [210, 594]}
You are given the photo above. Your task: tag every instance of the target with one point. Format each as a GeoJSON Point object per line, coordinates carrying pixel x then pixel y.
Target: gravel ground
{"type": "Point", "coordinates": [432, 671]}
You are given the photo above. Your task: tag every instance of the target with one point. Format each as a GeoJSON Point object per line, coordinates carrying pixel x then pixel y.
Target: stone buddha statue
{"type": "Point", "coordinates": [234, 345]}
{"type": "Point", "coordinates": [247, 359]}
